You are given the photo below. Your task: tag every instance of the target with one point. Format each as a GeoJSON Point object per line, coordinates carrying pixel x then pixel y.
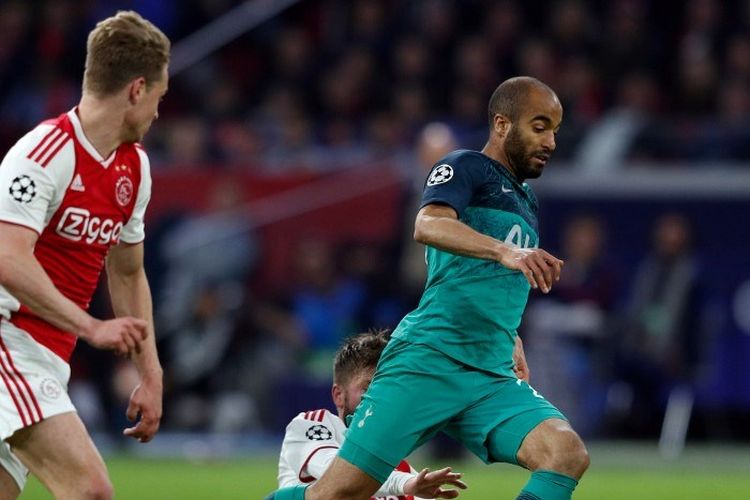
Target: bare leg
{"type": "Point", "coordinates": [342, 481]}
{"type": "Point", "coordinates": [8, 487]}
{"type": "Point", "coordinates": [60, 453]}
{"type": "Point", "coordinates": [553, 445]}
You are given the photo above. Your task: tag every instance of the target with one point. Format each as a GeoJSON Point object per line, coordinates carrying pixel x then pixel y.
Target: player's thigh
{"type": "Point", "coordinates": [495, 427]}
{"type": "Point", "coordinates": [342, 480]}
{"type": "Point", "coordinates": [12, 473]}
{"type": "Point", "coordinates": [59, 451]}
{"type": "Point", "coordinates": [415, 392]}
{"type": "Point", "coordinates": [9, 490]}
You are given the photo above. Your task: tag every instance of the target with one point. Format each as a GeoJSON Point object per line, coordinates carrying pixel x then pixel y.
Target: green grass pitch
{"type": "Point", "coordinates": [618, 472]}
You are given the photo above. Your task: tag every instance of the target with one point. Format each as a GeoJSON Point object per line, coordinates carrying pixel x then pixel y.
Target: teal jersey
{"type": "Point", "coordinates": [471, 308]}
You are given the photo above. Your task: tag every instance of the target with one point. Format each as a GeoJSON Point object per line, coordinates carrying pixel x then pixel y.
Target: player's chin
{"type": "Point", "coordinates": [533, 170]}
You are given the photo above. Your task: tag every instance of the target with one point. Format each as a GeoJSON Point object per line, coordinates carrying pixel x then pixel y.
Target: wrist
{"type": "Point", "coordinates": [407, 485]}
{"type": "Point", "coordinates": [500, 251]}
{"type": "Point", "coordinates": [88, 327]}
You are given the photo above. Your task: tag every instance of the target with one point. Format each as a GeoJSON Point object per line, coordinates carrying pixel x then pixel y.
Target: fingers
{"type": "Point", "coordinates": [132, 411]}
{"type": "Point", "coordinates": [134, 332]}
{"type": "Point", "coordinates": [144, 431]}
{"type": "Point", "coordinates": [447, 494]}
{"type": "Point", "coordinates": [541, 269]}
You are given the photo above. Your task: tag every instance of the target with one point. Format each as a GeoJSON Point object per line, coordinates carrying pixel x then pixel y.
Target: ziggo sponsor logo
{"type": "Point", "coordinates": [77, 224]}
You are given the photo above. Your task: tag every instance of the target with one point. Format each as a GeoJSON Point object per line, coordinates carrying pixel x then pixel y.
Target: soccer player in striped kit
{"type": "Point", "coordinates": [73, 193]}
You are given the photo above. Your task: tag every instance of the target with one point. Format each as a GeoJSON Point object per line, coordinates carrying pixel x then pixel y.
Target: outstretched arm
{"type": "Point", "coordinates": [438, 226]}
{"type": "Point", "coordinates": [131, 296]}
{"type": "Point", "coordinates": [424, 484]}
{"type": "Point", "coordinates": [24, 277]}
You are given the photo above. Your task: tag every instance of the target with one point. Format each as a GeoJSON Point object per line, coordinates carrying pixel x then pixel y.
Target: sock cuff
{"type": "Point", "coordinates": [557, 478]}
{"type": "Point", "coordinates": [291, 493]}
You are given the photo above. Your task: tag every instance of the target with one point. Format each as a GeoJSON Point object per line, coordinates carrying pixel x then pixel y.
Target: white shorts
{"type": "Point", "coordinates": [33, 386]}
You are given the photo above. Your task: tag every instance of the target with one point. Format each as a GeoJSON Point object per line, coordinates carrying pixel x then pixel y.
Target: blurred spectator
{"type": "Point", "coordinates": [658, 346]}
{"type": "Point", "coordinates": [568, 330]}
{"type": "Point", "coordinates": [608, 142]}
{"type": "Point", "coordinates": [209, 257]}
{"type": "Point", "coordinates": [434, 142]}
{"type": "Point", "coordinates": [325, 302]}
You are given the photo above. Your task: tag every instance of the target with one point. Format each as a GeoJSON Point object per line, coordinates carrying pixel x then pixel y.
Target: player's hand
{"type": "Point", "coordinates": [122, 335]}
{"type": "Point", "coordinates": [145, 402]}
{"type": "Point", "coordinates": [428, 484]}
{"type": "Point", "coordinates": [541, 268]}
{"type": "Point", "coordinates": [520, 367]}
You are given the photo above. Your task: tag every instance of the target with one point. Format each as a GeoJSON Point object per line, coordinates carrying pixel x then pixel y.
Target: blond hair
{"type": "Point", "coordinates": [122, 48]}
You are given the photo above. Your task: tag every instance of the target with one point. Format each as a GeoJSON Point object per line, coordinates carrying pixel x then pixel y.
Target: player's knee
{"type": "Point", "coordinates": [568, 454]}
{"type": "Point", "coordinates": [99, 487]}
{"type": "Point", "coordinates": [555, 446]}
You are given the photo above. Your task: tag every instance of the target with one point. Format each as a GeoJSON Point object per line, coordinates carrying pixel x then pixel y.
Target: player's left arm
{"type": "Point", "coordinates": [131, 296]}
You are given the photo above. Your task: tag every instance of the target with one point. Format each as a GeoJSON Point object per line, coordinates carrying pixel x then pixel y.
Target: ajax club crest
{"type": "Point", "coordinates": [124, 190]}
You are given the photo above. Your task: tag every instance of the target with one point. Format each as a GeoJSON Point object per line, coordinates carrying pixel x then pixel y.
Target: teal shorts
{"type": "Point", "coordinates": [418, 391]}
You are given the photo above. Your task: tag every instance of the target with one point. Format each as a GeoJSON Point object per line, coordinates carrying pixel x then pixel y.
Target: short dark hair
{"type": "Point", "coordinates": [510, 96]}
{"type": "Point", "coordinates": [359, 352]}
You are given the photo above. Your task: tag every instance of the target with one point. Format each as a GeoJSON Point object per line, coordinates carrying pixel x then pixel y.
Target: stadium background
{"type": "Point", "coordinates": [286, 162]}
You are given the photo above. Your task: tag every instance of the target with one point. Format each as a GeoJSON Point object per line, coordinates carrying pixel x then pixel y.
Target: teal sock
{"type": "Point", "coordinates": [548, 485]}
{"type": "Point", "coordinates": [291, 493]}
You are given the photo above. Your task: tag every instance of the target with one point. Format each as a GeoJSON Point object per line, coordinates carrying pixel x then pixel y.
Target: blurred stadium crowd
{"type": "Point", "coordinates": [330, 83]}
{"type": "Point", "coordinates": [333, 85]}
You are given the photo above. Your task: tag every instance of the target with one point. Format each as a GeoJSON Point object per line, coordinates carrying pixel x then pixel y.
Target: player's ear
{"type": "Point", "coordinates": [501, 125]}
{"type": "Point", "coordinates": [337, 393]}
{"type": "Point", "coordinates": [136, 89]}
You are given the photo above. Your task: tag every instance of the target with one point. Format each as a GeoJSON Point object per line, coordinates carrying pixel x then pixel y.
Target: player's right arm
{"type": "Point", "coordinates": [22, 220]}
{"type": "Point", "coordinates": [449, 189]}
{"type": "Point", "coordinates": [23, 276]}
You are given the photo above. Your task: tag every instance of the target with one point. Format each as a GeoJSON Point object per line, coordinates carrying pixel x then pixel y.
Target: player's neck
{"type": "Point", "coordinates": [497, 152]}
{"type": "Point", "coordinates": [101, 123]}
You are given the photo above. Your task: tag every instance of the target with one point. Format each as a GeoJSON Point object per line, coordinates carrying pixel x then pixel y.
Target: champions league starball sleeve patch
{"type": "Point", "coordinates": [319, 433]}
{"type": "Point", "coordinates": [440, 175]}
{"type": "Point", "coordinates": [22, 189]}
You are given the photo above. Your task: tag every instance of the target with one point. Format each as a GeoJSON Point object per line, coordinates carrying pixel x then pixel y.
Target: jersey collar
{"type": "Point", "coordinates": [84, 141]}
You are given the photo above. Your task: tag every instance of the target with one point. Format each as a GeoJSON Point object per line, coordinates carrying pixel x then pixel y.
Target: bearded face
{"type": "Point", "coordinates": [524, 156]}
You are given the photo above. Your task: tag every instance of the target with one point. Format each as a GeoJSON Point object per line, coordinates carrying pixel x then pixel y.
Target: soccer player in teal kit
{"type": "Point", "coordinates": [456, 363]}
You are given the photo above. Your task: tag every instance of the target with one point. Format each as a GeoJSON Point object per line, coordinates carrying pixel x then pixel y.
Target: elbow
{"type": "Point", "coordinates": [420, 234]}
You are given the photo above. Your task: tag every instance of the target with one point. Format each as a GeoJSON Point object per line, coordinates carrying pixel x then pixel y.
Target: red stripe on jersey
{"type": "Point", "coordinates": [56, 150]}
{"type": "Point", "coordinates": [32, 398]}
{"type": "Point", "coordinates": [42, 142]}
{"type": "Point", "coordinates": [55, 137]}
{"type": "Point", "coordinates": [51, 144]}
{"type": "Point", "coordinates": [13, 394]}
{"type": "Point", "coordinates": [321, 414]}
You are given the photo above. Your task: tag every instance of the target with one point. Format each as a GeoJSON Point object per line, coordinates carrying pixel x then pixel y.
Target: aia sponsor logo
{"type": "Point", "coordinates": [124, 190]}
{"type": "Point", "coordinates": [77, 224]}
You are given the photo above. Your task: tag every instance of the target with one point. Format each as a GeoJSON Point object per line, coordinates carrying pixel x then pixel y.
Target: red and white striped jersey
{"type": "Point", "coordinates": [312, 440]}
{"type": "Point", "coordinates": [54, 182]}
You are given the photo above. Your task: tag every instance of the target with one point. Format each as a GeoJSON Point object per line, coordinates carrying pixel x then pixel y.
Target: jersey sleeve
{"type": "Point", "coordinates": [134, 230]}
{"type": "Point", "coordinates": [453, 181]}
{"type": "Point", "coordinates": [311, 443]}
{"type": "Point", "coordinates": [30, 192]}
